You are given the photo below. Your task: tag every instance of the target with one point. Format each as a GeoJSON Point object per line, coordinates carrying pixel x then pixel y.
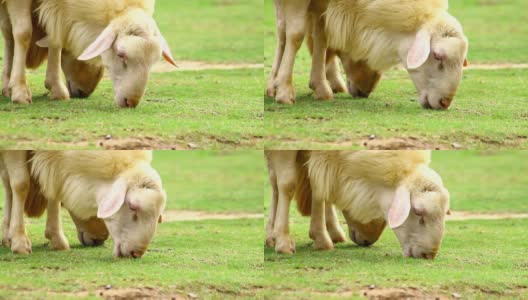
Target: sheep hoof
{"type": "Point", "coordinates": [59, 243]}
{"type": "Point", "coordinates": [59, 92]}
{"type": "Point", "coordinates": [6, 92]}
{"type": "Point", "coordinates": [285, 95]}
{"type": "Point", "coordinates": [323, 242]}
{"type": "Point", "coordinates": [270, 92]}
{"type": "Point", "coordinates": [285, 245]}
{"type": "Point", "coordinates": [338, 86]}
{"type": "Point", "coordinates": [21, 245]}
{"type": "Point", "coordinates": [6, 243]}
{"type": "Point", "coordinates": [323, 92]}
{"type": "Point", "coordinates": [337, 235]}
{"type": "Point", "coordinates": [270, 242]}
{"type": "Point", "coordinates": [21, 94]}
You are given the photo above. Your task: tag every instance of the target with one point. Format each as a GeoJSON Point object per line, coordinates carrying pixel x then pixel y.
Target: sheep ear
{"type": "Point", "coordinates": [43, 42]}
{"type": "Point", "coordinates": [166, 52]}
{"type": "Point", "coordinates": [420, 49]}
{"type": "Point", "coordinates": [103, 42]}
{"type": "Point", "coordinates": [400, 207]}
{"type": "Point", "coordinates": [111, 199]}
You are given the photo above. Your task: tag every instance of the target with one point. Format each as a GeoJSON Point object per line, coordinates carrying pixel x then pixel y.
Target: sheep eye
{"type": "Point", "coordinates": [422, 221]}
{"type": "Point", "coordinates": [146, 185]}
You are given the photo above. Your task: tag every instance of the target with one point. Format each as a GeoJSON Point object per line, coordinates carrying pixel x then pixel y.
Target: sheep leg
{"type": "Point", "coordinates": [53, 83]}
{"type": "Point", "coordinates": [283, 162]}
{"type": "Point", "coordinates": [295, 12]}
{"type": "Point", "coordinates": [7, 32]}
{"type": "Point", "coordinates": [318, 80]}
{"type": "Point", "coordinates": [270, 241]}
{"type": "Point", "coordinates": [318, 232]}
{"type": "Point", "coordinates": [280, 23]}
{"type": "Point", "coordinates": [20, 16]}
{"type": "Point", "coordinates": [19, 181]}
{"type": "Point", "coordinates": [7, 210]}
{"type": "Point", "coordinates": [332, 225]}
{"type": "Point", "coordinates": [337, 83]}
{"type": "Point", "coordinates": [54, 231]}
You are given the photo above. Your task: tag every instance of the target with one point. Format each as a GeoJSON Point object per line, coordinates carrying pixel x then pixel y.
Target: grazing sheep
{"type": "Point", "coordinates": [121, 32]}
{"type": "Point", "coordinates": [370, 37]}
{"type": "Point", "coordinates": [118, 187]}
{"type": "Point", "coordinates": [370, 187]}
{"type": "Point", "coordinates": [81, 77]}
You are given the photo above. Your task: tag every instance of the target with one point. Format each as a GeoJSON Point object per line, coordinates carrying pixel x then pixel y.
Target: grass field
{"type": "Point", "coordinates": [488, 112]}
{"type": "Point", "coordinates": [478, 259]}
{"type": "Point", "coordinates": [207, 259]}
{"type": "Point", "coordinates": [212, 109]}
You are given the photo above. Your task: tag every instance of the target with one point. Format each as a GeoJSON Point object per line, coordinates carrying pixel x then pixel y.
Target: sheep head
{"type": "Point", "coordinates": [129, 46]}
{"type": "Point", "coordinates": [417, 212]}
{"type": "Point", "coordinates": [435, 60]}
{"type": "Point", "coordinates": [131, 207]}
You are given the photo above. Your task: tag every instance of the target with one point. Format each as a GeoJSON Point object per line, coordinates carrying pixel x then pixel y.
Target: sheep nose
{"type": "Point", "coordinates": [445, 102]}
{"type": "Point", "coordinates": [430, 255]}
{"type": "Point", "coordinates": [136, 254]}
{"type": "Point", "coordinates": [129, 102]}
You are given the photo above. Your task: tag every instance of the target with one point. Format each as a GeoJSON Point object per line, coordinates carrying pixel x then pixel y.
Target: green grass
{"type": "Point", "coordinates": [488, 112]}
{"type": "Point", "coordinates": [211, 109]}
{"type": "Point", "coordinates": [211, 180]}
{"type": "Point", "coordinates": [212, 259]}
{"type": "Point", "coordinates": [478, 259]}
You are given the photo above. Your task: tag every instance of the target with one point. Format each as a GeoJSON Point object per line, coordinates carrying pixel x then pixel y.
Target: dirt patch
{"type": "Point", "coordinates": [462, 215]}
{"type": "Point", "coordinates": [399, 293]}
{"type": "Point", "coordinates": [136, 293]}
{"type": "Point", "coordinates": [496, 66]}
{"type": "Point", "coordinates": [189, 215]}
{"type": "Point", "coordinates": [188, 65]}
{"type": "Point", "coordinates": [143, 143]}
{"type": "Point", "coordinates": [406, 143]}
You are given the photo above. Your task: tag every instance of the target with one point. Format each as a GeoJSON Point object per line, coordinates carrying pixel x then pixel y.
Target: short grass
{"type": "Point", "coordinates": [488, 112]}
{"type": "Point", "coordinates": [183, 109]}
{"type": "Point", "coordinates": [478, 259]}
{"type": "Point", "coordinates": [211, 259]}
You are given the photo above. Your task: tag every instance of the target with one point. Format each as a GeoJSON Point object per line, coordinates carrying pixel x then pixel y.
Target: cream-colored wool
{"type": "Point", "coordinates": [119, 34]}
{"type": "Point", "coordinates": [369, 187]}
{"type": "Point", "coordinates": [77, 23]}
{"type": "Point", "coordinates": [120, 188]}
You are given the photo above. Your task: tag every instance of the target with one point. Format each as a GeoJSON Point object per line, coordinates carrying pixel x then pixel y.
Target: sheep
{"type": "Point", "coordinates": [81, 77]}
{"type": "Point", "coordinates": [371, 188]}
{"type": "Point", "coordinates": [370, 37]}
{"type": "Point", "coordinates": [119, 34]}
{"type": "Point", "coordinates": [118, 187]}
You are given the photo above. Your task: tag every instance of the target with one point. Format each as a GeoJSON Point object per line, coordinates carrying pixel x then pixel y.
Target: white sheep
{"type": "Point", "coordinates": [119, 187]}
{"type": "Point", "coordinates": [370, 187]}
{"type": "Point", "coordinates": [121, 32]}
{"type": "Point", "coordinates": [370, 37]}
{"type": "Point", "coordinates": [81, 78]}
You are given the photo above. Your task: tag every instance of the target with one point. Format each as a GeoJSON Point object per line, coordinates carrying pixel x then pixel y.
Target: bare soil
{"type": "Point", "coordinates": [163, 67]}
{"type": "Point", "coordinates": [462, 216]}
{"type": "Point", "coordinates": [189, 215]}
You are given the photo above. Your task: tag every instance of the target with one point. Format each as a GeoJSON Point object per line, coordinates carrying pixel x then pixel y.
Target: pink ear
{"type": "Point", "coordinates": [420, 49]}
{"type": "Point", "coordinates": [166, 51]}
{"type": "Point", "coordinates": [103, 42]}
{"type": "Point", "coordinates": [400, 208]}
{"type": "Point", "coordinates": [111, 199]}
